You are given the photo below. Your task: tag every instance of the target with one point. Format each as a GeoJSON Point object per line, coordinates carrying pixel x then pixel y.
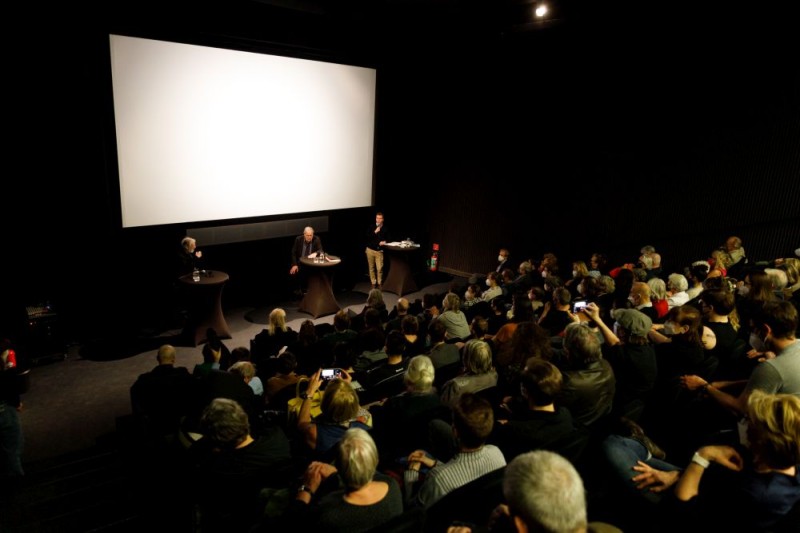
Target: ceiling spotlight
{"type": "Point", "coordinates": [541, 9]}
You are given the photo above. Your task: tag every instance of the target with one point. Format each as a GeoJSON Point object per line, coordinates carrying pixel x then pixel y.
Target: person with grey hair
{"type": "Point", "coordinates": [189, 255]}
{"type": "Point", "coordinates": [544, 492]}
{"type": "Point", "coordinates": [359, 498]}
{"type": "Point", "coordinates": [651, 261]}
{"type": "Point", "coordinates": [658, 296]}
{"type": "Point", "coordinates": [247, 371]}
{"type": "Point", "coordinates": [479, 373]}
{"type": "Point", "coordinates": [306, 245]}
{"type": "Point", "coordinates": [400, 424]}
{"type": "Point", "coordinates": [453, 318]}
{"type": "Point", "coordinates": [589, 382]}
{"type": "Point", "coordinates": [677, 284]}
{"type": "Point", "coordinates": [733, 245]}
{"type": "Point", "coordinates": [779, 280]}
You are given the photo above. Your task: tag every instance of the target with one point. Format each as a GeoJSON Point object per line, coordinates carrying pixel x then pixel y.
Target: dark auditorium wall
{"type": "Point", "coordinates": [590, 136]}
{"type": "Point", "coordinates": [607, 137]}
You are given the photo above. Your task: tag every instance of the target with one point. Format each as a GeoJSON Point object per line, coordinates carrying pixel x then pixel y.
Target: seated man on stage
{"type": "Point", "coordinates": [305, 245]}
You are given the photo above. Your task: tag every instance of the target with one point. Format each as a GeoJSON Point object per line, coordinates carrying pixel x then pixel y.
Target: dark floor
{"type": "Point", "coordinates": [76, 401]}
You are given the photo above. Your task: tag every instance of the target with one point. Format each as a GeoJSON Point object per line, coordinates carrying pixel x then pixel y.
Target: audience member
{"type": "Point", "coordinates": [453, 319]}
{"type": "Point", "coordinates": [273, 338]}
{"type": "Point", "coordinates": [401, 422]}
{"type": "Point", "coordinates": [631, 356]}
{"type": "Point", "coordinates": [717, 305]}
{"type": "Point", "coordinates": [341, 410]}
{"type": "Point", "coordinates": [598, 265]}
{"type": "Point", "coordinates": [775, 325]}
{"type": "Point", "coordinates": [341, 331]}
{"type": "Point", "coordinates": [753, 292]}
{"type": "Point", "coordinates": [242, 354]}
{"type": "Point", "coordinates": [676, 290]}
{"type": "Point", "coordinates": [720, 261]}
{"type": "Point", "coordinates": [739, 261]}
{"type": "Point", "coordinates": [640, 300]}
{"type": "Point", "coordinates": [535, 422]}
{"type": "Point", "coordinates": [696, 275]}
{"type": "Point", "coordinates": [416, 344]}
{"type": "Point", "coordinates": [309, 352]}
{"type": "Point", "coordinates": [658, 295]}
{"type": "Point", "coordinates": [544, 492]}
{"type": "Point", "coordinates": [678, 343]}
{"type": "Point", "coordinates": [523, 281]}
{"type": "Point", "coordinates": [493, 288]}
{"type": "Point", "coordinates": [397, 315]}
{"type": "Point", "coordinates": [441, 353]}
{"type": "Point", "coordinates": [556, 315]}
{"type": "Point", "coordinates": [747, 490]}
{"type": "Point", "coordinates": [473, 420]}
{"type": "Point", "coordinates": [537, 296]}
{"type": "Point", "coordinates": [285, 376]}
{"type": "Point", "coordinates": [498, 317]}
{"type": "Point", "coordinates": [358, 499]}
{"type": "Point", "coordinates": [472, 296]}
{"type": "Point", "coordinates": [623, 284]}
{"type": "Point", "coordinates": [528, 340]}
{"type": "Point", "coordinates": [791, 265]}
{"type": "Point", "coordinates": [231, 467]}
{"type": "Point", "coordinates": [247, 372]}
{"type": "Point", "coordinates": [479, 373]}
{"type": "Point", "coordinates": [210, 362]}
{"type": "Point", "coordinates": [11, 435]}
{"type": "Point", "coordinates": [548, 266]}
{"type": "Point", "coordinates": [579, 271]}
{"type": "Point", "coordinates": [651, 260]}
{"type": "Point", "coordinates": [503, 260]}
{"type": "Point", "coordinates": [520, 312]}
{"type": "Point", "coordinates": [163, 396]}
{"type": "Point", "coordinates": [371, 337]}
{"type": "Point", "coordinates": [386, 378]}
{"type": "Point", "coordinates": [589, 382]}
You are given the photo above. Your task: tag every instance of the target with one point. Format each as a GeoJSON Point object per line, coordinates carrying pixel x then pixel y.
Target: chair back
{"type": "Point", "coordinates": [472, 503]}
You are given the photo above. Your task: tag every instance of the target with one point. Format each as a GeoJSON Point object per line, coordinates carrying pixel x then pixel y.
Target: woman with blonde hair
{"type": "Point", "coordinates": [272, 339]}
{"type": "Point", "coordinates": [341, 411]}
{"type": "Point", "coordinates": [762, 483]}
{"type": "Point", "coordinates": [453, 318]}
{"type": "Point", "coordinates": [720, 261]}
{"type": "Point", "coordinates": [754, 486]}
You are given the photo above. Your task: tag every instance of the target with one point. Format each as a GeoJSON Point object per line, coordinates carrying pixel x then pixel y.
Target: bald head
{"type": "Point", "coordinates": [640, 291]}
{"type": "Point", "coordinates": [166, 355]}
{"type": "Point", "coordinates": [402, 306]}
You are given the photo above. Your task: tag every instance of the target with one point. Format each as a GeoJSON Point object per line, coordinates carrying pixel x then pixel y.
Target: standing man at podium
{"type": "Point", "coordinates": [376, 238]}
{"type": "Point", "coordinates": [304, 245]}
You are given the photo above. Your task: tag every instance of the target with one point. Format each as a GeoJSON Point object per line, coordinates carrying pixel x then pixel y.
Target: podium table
{"type": "Point", "coordinates": [319, 299]}
{"type": "Point", "coordinates": [400, 280]}
{"type": "Point", "coordinates": [204, 299]}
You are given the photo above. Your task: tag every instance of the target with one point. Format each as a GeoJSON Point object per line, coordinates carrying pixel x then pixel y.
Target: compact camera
{"type": "Point", "coordinates": [578, 306]}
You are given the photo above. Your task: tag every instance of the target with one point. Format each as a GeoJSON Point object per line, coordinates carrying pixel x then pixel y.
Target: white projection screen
{"type": "Point", "coordinates": [210, 134]}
